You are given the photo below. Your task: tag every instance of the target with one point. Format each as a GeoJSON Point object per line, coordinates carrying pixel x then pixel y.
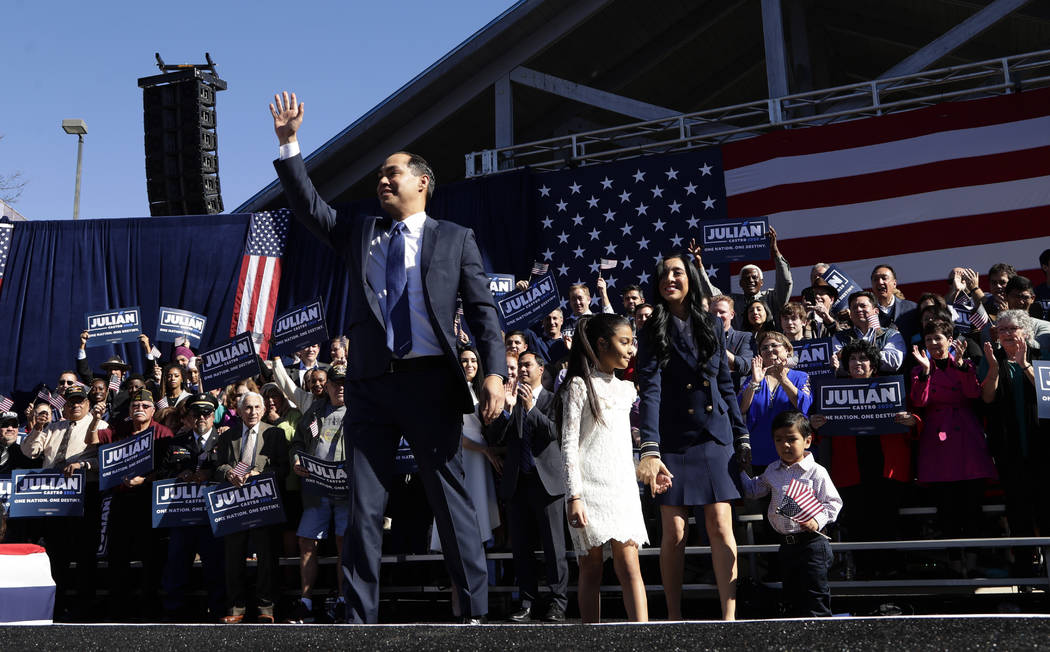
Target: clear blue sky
{"type": "Point", "coordinates": [342, 57]}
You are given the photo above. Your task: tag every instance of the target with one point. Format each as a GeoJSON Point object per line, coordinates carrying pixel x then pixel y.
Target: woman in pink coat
{"type": "Point", "coordinates": [953, 452]}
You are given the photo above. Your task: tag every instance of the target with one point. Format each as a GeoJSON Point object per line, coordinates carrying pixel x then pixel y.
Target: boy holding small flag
{"type": "Point", "coordinates": [803, 501]}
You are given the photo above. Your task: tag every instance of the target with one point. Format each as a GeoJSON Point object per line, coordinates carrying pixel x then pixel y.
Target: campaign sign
{"type": "Point", "coordinates": [113, 326]}
{"type": "Point", "coordinates": [173, 323]}
{"type": "Point", "coordinates": [501, 284]}
{"type": "Point", "coordinates": [404, 459]}
{"type": "Point", "coordinates": [843, 284]}
{"type": "Point", "coordinates": [328, 479]}
{"type": "Point", "coordinates": [300, 327]}
{"type": "Point", "coordinates": [520, 309]}
{"type": "Point", "coordinates": [256, 503]}
{"type": "Point", "coordinates": [235, 360]}
{"type": "Point", "coordinates": [1042, 387]}
{"type": "Point", "coordinates": [5, 490]}
{"type": "Point", "coordinates": [863, 406]}
{"type": "Point", "coordinates": [46, 492]}
{"type": "Point", "coordinates": [737, 240]}
{"type": "Point", "coordinates": [125, 459]}
{"type": "Point", "coordinates": [814, 357]}
{"type": "Point", "coordinates": [180, 504]}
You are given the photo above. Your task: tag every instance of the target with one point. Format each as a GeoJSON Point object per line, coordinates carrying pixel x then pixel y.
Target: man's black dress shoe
{"type": "Point", "coordinates": [555, 614]}
{"type": "Point", "coordinates": [523, 615]}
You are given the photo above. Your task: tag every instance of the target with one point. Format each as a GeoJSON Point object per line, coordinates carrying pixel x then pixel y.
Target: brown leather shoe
{"type": "Point", "coordinates": [235, 616]}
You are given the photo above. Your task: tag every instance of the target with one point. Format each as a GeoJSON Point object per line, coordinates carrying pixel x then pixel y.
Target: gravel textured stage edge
{"type": "Point", "coordinates": [893, 633]}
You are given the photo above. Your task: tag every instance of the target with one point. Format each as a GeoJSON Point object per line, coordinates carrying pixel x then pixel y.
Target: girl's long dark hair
{"type": "Point", "coordinates": [583, 359]}
{"type": "Point", "coordinates": [657, 331]}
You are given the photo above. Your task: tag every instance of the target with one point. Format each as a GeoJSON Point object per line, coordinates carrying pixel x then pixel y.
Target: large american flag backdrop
{"type": "Point", "coordinates": [260, 277]}
{"type": "Point", "coordinates": [964, 183]}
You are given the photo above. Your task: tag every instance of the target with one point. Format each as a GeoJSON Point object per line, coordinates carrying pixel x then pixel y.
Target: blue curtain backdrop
{"type": "Point", "coordinates": [58, 271]}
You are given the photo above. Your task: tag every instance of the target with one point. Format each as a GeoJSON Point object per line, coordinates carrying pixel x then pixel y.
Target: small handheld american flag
{"type": "Point", "coordinates": [6, 404]}
{"type": "Point", "coordinates": [800, 504]}
{"type": "Point", "coordinates": [241, 468]}
{"type": "Point", "coordinates": [313, 428]}
{"type": "Point", "coordinates": [978, 319]}
{"type": "Point", "coordinates": [155, 352]}
{"type": "Point", "coordinates": [162, 403]}
{"type": "Point", "coordinates": [607, 263]}
{"type": "Point", "coordinates": [114, 383]}
{"type": "Point", "coordinates": [873, 319]}
{"type": "Point", "coordinates": [54, 401]}
{"type": "Point", "coordinates": [539, 269]}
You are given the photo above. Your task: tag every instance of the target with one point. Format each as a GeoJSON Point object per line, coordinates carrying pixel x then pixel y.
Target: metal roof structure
{"type": "Point", "coordinates": [549, 68]}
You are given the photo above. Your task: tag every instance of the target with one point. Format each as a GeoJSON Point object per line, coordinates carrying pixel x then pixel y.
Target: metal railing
{"type": "Point", "coordinates": [714, 126]}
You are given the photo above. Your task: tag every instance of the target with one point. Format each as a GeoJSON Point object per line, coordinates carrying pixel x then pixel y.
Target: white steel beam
{"type": "Point", "coordinates": [587, 95]}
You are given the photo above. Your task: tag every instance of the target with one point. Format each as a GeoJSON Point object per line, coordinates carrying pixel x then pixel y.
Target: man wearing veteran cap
{"type": "Point", "coordinates": [130, 525]}
{"type": "Point", "coordinates": [192, 456]}
{"type": "Point", "coordinates": [64, 445]}
{"type": "Point", "coordinates": [261, 448]}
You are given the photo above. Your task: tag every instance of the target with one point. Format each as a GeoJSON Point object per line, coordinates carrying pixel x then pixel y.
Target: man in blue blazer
{"type": "Point", "coordinates": [403, 375]}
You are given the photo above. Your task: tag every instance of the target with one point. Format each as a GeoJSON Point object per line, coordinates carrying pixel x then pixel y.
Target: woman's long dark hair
{"type": "Point", "coordinates": [765, 326]}
{"type": "Point", "coordinates": [583, 359]}
{"type": "Point", "coordinates": [479, 377]}
{"type": "Point", "coordinates": [657, 331]}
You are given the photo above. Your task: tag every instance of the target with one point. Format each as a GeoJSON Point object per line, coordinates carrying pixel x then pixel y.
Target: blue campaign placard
{"type": "Point", "coordinates": [857, 407]}
{"type": "Point", "coordinates": [173, 323]}
{"type": "Point", "coordinates": [404, 459]}
{"type": "Point", "coordinates": [814, 357]}
{"type": "Point", "coordinates": [113, 326]}
{"type": "Point", "coordinates": [328, 479]}
{"type": "Point", "coordinates": [5, 490]}
{"type": "Point", "coordinates": [500, 284]}
{"type": "Point", "coordinates": [843, 284]}
{"type": "Point", "coordinates": [256, 503]}
{"type": "Point", "coordinates": [229, 362]}
{"type": "Point", "coordinates": [180, 504]}
{"type": "Point", "coordinates": [46, 492]}
{"type": "Point", "coordinates": [520, 309]}
{"type": "Point", "coordinates": [300, 327]}
{"type": "Point", "coordinates": [737, 240]}
{"type": "Point", "coordinates": [127, 458]}
{"type": "Point", "coordinates": [1042, 387]}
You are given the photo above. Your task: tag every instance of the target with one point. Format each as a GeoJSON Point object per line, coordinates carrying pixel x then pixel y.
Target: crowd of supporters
{"type": "Point", "coordinates": [970, 436]}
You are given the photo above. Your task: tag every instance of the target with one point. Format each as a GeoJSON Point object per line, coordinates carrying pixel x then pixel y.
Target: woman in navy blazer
{"type": "Point", "coordinates": [690, 427]}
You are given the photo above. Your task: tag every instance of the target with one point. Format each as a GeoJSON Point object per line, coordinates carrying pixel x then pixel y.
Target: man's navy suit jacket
{"type": "Point", "coordinates": [450, 264]}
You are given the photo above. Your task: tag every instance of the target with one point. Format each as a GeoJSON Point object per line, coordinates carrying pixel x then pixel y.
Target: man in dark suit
{"type": "Point", "coordinates": [192, 456]}
{"type": "Point", "coordinates": [533, 488]}
{"type": "Point", "coordinates": [739, 346]}
{"type": "Point", "coordinates": [404, 378]}
{"type": "Point", "coordinates": [264, 449]}
{"type": "Point", "coordinates": [901, 314]}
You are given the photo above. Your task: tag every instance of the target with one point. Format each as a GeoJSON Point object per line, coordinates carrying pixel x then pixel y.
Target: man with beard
{"type": "Point", "coordinates": [320, 434]}
{"type": "Point", "coordinates": [131, 533]}
{"type": "Point", "coordinates": [192, 457]}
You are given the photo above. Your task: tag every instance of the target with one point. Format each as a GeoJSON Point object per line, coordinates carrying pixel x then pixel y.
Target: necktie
{"type": "Point", "coordinates": [248, 448]}
{"type": "Point", "coordinates": [60, 456]}
{"type": "Point", "coordinates": [398, 321]}
{"type": "Point", "coordinates": [526, 462]}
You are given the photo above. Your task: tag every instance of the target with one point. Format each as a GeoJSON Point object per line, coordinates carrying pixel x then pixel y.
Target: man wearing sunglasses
{"type": "Point", "coordinates": [192, 457]}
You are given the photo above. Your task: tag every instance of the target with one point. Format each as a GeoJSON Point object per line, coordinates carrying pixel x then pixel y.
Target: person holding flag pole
{"type": "Point", "coordinates": [804, 500]}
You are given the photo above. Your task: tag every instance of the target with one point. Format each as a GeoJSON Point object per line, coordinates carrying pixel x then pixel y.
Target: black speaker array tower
{"type": "Point", "coordinates": [182, 163]}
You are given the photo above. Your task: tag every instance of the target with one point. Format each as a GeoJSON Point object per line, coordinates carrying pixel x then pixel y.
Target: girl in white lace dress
{"type": "Point", "coordinates": [603, 508]}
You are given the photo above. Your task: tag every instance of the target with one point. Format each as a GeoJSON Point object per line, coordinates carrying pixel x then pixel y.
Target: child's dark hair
{"type": "Point", "coordinates": [792, 419]}
{"type": "Point", "coordinates": [583, 357]}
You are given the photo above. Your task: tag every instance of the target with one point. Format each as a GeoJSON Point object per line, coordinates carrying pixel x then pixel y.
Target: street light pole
{"type": "Point", "coordinates": [78, 127]}
{"type": "Point", "coordinates": [80, 159]}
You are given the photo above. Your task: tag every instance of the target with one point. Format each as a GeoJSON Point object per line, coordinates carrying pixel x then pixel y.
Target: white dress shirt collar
{"type": "Point", "coordinates": [414, 223]}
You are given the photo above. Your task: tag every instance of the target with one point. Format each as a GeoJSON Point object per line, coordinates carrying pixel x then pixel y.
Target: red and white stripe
{"type": "Point", "coordinates": [27, 591]}
{"type": "Point", "coordinates": [807, 501]}
{"type": "Point", "coordinates": [956, 184]}
{"type": "Point", "coordinates": [256, 300]}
